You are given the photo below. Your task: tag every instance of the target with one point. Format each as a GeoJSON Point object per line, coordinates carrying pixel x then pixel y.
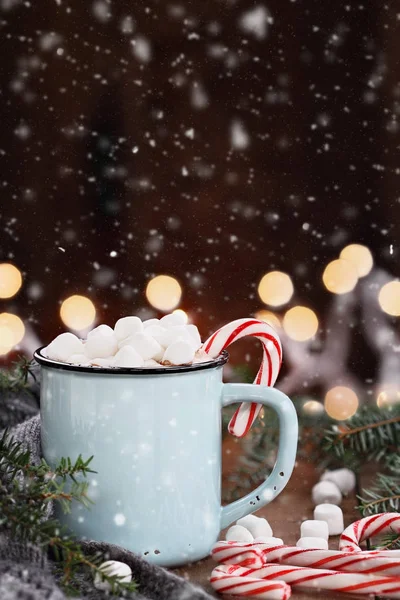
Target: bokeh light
{"type": "Point", "coordinates": [313, 408]}
{"type": "Point", "coordinates": [181, 313]}
{"type": "Point", "coordinates": [12, 331]}
{"type": "Point", "coordinates": [360, 257]}
{"type": "Point", "coordinates": [164, 292]}
{"type": "Point", "coordinates": [78, 312]}
{"type": "Point", "coordinates": [268, 317]}
{"type": "Point", "coordinates": [10, 280]}
{"type": "Point", "coordinates": [340, 276]}
{"type": "Point", "coordinates": [300, 323]}
{"type": "Point", "coordinates": [341, 403]}
{"type": "Point", "coordinates": [388, 397]}
{"type": "Point", "coordinates": [389, 298]}
{"type": "Point", "coordinates": [275, 288]}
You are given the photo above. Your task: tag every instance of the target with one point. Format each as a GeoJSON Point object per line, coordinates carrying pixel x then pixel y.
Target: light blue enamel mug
{"type": "Point", "coordinates": [155, 435]}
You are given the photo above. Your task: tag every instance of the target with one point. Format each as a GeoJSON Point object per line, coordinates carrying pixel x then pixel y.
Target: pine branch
{"type": "Point", "coordinates": [383, 497]}
{"type": "Point", "coordinates": [26, 489]}
{"type": "Point", "coordinates": [370, 434]}
{"type": "Point", "coordinates": [16, 379]}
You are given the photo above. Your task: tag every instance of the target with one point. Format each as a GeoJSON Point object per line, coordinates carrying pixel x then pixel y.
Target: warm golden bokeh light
{"type": "Point", "coordinates": [268, 317]}
{"type": "Point", "coordinates": [12, 330]}
{"type": "Point", "coordinates": [78, 312]}
{"type": "Point", "coordinates": [388, 397]}
{"type": "Point", "coordinates": [275, 288]}
{"type": "Point", "coordinates": [340, 276]}
{"type": "Point", "coordinates": [164, 292]}
{"type": "Point", "coordinates": [313, 407]}
{"type": "Point", "coordinates": [10, 280]}
{"type": "Point", "coordinates": [389, 298]}
{"type": "Point", "coordinates": [300, 323]}
{"type": "Point", "coordinates": [360, 257]}
{"type": "Point", "coordinates": [341, 403]}
{"type": "Point", "coordinates": [181, 313]}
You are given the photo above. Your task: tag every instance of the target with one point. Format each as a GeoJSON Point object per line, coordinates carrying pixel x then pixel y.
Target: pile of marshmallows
{"type": "Point", "coordinates": [314, 533]}
{"type": "Point", "coordinates": [132, 343]}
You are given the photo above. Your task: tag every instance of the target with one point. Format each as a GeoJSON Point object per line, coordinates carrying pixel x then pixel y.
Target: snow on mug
{"type": "Point", "coordinates": [155, 435]}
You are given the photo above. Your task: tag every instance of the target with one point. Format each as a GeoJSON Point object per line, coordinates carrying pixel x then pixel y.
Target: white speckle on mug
{"type": "Point", "coordinates": [81, 519]}
{"type": "Point", "coordinates": [119, 519]}
{"type": "Point", "coordinates": [172, 422]}
{"type": "Point", "coordinates": [193, 432]}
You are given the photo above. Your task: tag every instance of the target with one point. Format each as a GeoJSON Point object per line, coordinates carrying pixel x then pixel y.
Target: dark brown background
{"type": "Point", "coordinates": [327, 73]}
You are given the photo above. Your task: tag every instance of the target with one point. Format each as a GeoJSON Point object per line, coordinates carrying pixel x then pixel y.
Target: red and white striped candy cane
{"type": "Point", "coordinates": [322, 579]}
{"type": "Point", "coordinates": [368, 527]}
{"type": "Point", "coordinates": [236, 553]}
{"type": "Point", "coordinates": [247, 413]}
{"type": "Point", "coordinates": [384, 562]}
{"type": "Point", "coordinates": [237, 585]}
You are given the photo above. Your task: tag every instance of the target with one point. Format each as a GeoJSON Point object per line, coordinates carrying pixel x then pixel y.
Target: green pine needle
{"type": "Point", "coordinates": [26, 488]}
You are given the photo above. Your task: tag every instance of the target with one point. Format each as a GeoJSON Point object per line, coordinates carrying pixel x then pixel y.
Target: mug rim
{"type": "Point", "coordinates": [221, 360]}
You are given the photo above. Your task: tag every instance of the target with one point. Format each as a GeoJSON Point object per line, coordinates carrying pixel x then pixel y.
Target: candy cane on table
{"type": "Point", "coordinates": [238, 585]}
{"type": "Point", "coordinates": [384, 562]}
{"type": "Point", "coordinates": [321, 579]}
{"type": "Point", "coordinates": [368, 527]}
{"type": "Point", "coordinates": [247, 413]}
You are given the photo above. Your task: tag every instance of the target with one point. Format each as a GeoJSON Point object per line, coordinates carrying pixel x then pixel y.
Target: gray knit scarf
{"type": "Point", "coordinates": [25, 571]}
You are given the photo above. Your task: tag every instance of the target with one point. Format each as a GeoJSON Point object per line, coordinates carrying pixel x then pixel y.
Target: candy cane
{"type": "Point", "coordinates": [322, 579]}
{"type": "Point", "coordinates": [237, 585]}
{"type": "Point", "coordinates": [247, 413]}
{"type": "Point", "coordinates": [235, 553]}
{"type": "Point", "coordinates": [368, 527]}
{"type": "Point", "coordinates": [384, 562]}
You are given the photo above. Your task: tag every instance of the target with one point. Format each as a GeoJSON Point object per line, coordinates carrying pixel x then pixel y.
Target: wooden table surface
{"type": "Point", "coordinates": [285, 515]}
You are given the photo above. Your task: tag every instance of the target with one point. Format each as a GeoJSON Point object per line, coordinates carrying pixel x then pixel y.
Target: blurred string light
{"type": "Point", "coordinates": [164, 292]}
{"type": "Point", "coordinates": [181, 313]}
{"type": "Point", "coordinates": [389, 298]}
{"type": "Point", "coordinates": [340, 276]}
{"type": "Point", "coordinates": [300, 323]}
{"type": "Point", "coordinates": [313, 408]}
{"type": "Point", "coordinates": [10, 280]}
{"type": "Point", "coordinates": [78, 312]}
{"type": "Point", "coordinates": [268, 317]}
{"type": "Point", "coordinates": [275, 288]}
{"type": "Point", "coordinates": [388, 397]}
{"type": "Point", "coordinates": [360, 257]}
{"type": "Point", "coordinates": [12, 331]}
{"type": "Point", "coordinates": [341, 403]}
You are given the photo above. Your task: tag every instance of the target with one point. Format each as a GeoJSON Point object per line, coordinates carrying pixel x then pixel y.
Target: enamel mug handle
{"type": "Point", "coordinates": [288, 432]}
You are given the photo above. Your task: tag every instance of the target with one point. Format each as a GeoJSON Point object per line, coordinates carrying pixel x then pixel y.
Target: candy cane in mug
{"type": "Point", "coordinates": [368, 527]}
{"type": "Point", "coordinates": [384, 562]}
{"type": "Point", "coordinates": [321, 579]}
{"type": "Point", "coordinates": [268, 372]}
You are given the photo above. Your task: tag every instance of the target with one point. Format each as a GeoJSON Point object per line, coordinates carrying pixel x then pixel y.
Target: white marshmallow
{"type": "Point", "coordinates": [332, 515]}
{"type": "Point", "coordinates": [269, 541]}
{"type": "Point", "coordinates": [109, 361]}
{"type": "Point", "coordinates": [101, 345]}
{"type": "Point", "coordinates": [127, 326]}
{"type": "Point", "coordinates": [318, 529]}
{"type": "Point", "coordinates": [326, 491]}
{"type": "Point", "coordinates": [194, 332]}
{"type": "Point", "coordinates": [144, 345]}
{"type": "Point", "coordinates": [237, 533]}
{"type": "Point", "coordinates": [64, 346]}
{"type": "Point", "coordinates": [256, 525]}
{"type": "Point", "coordinates": [173, 334]}
{"type": "Point", "coordinates": [158, 333]}
{"type": "Point", "coordinates": [345, 479]}
{"type": "Point", "coordinates": [312, 542]}
{"type": "Point", "coordinates": [79, 359]}
{"type": "Point", "coordinates": [150, 322]}
{"type": "Point", "coordinates": [111, 568]}
{"type": "Point", "coordinates": [151, 363]}
{"type": "Point", "coordinates": [101, 329]}
{"type": "Point", "coordinates": [172, 320]}
{"type": "Point", "coordinates": [179, 353]}
{"type": "Point", "coordinates": [128, 357]}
